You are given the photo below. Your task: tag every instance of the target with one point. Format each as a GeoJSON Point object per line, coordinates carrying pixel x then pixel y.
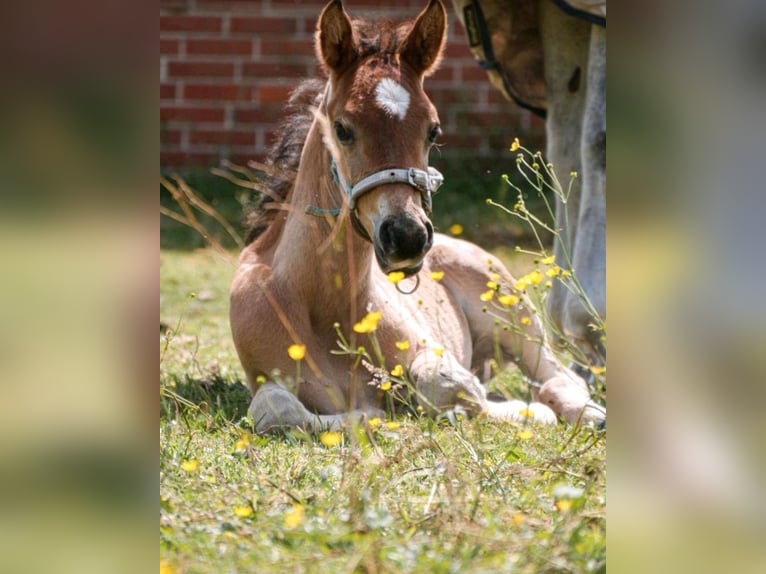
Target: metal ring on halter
{"type": "Point", "coordinates": [415, 288]}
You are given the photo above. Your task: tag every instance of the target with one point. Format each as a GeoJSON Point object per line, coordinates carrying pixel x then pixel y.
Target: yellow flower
{"type": "Point", "coordinates": [535, 277]}
{"type": "Point", "coordinates": [548, 260]}
{"type": "Point", "coordinates": [563, 504]}
{"type": "Point", "coordinates": [242, 443]}
{"type": "Point", "coordinates": [402, 345]}
{"type": "Point", "coordinates": [521, 284]}
{"type": "Point", "coordinates": [243, 511]}
{"type": "Point", "coordinates": [525, 434]}
{"type": "Point", "coordinates": [369, 322]}
{"type": "Point", "coordinates": [393, 425]}
{"type": "Point", "coordinates": [553, 271]}
{"type": "Point", "coordinates": [518, 519]}
{"type": "Point", "coordinates": [487, 295]}
{"type": "Point", "coordinates": [566, 273]}
{"type": "Point", "coordinates": [438, 351]}
{"type": "Point", "coordinates": [515, 144]}
{"type": "Point", "coordinates": [166, 567]}
{"type": "Point", "coordinates": [526, 321]}
{"type": "Point", "coordinates": [296, 352]}
{"type": "Point", "coordinates": [437, 275]}
{"type": "Point", "coordinates": [508, 300]}
{"type": "Point", "coordinates": [526, 413]}
{"type": "Point", "coordinates": [493, 285]}
{"type": "Point", "coordinates": [331, 438]}
{"type": "Point", "coordinates": [294, 517]}
{"type": "Point", "coordinates": [190, 465]}
{"type": "Point", "coordinates": [385, 385]}
{"type": "Point", "coordinates": [456, 229]}
{"type": "Point", "coordinates": [598, 370]}
{"type": "Point", "coordinates": [494, 277]}
{"type": "Point", "coordinates": [395, 276]}
{"type": "Point", "coordinates": [374, 422]}
{"type": "Point", "coordinates": [397, 371]}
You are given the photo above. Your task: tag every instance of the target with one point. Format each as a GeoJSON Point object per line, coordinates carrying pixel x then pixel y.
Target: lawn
{"type": "Point", "coordinates": [411, 495]}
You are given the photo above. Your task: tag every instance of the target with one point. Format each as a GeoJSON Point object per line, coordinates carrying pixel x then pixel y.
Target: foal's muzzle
{"type": "Point", "coordinates": [402, 242]}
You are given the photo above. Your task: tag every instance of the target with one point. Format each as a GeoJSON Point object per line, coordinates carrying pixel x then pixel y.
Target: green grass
{"type": "Point", "coordinates": [429, 496]}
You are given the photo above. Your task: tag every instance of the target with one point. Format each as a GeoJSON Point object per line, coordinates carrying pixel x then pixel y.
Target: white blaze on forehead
{"type": "Point", "coordinates": [392, 97]}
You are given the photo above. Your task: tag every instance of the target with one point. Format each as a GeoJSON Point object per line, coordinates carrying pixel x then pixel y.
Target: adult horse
{"type": "Point", "coordinates": [550, 56]}
{"type": "Point", "coordinates": [347, 205]}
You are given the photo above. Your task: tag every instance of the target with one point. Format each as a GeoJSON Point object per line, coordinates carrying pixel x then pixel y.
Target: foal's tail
{"type": "Point", "coordinates": [277, 175]}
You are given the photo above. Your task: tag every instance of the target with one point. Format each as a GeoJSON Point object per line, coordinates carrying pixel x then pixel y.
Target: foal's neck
{"type": "Point", "coordinates": [330, 262]}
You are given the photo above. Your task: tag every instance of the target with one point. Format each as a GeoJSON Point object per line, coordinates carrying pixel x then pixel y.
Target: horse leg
{"type": "Point", "coordinates": [589, 259]}
{"type": "Point", "coordinates": [273, 407]}
{"type": "Point", "coordinates": [565, 57]}
{"type": "Point", "coordinates": [442, 383]}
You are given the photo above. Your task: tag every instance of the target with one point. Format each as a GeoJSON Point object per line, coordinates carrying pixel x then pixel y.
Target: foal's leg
{"type": "Point", "coordinates": [443, 383]}
{"type": "Point", "coordinates": [273, 407]}
{"type": "Point", "coordinates": [517, 332]}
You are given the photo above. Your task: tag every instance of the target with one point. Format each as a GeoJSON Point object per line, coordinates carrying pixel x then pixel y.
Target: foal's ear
{"type": "Point", "coordinates": [335, 44]}
{"type": "Point", "coordinates": [425, 41]}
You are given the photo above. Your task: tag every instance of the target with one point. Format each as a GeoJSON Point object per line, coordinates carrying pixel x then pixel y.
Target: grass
{"type": "Point", "coordinates": [426, 496]}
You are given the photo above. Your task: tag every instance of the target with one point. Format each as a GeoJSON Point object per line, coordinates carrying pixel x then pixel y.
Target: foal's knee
{"type": "Point", "coordinates": [273, 407]}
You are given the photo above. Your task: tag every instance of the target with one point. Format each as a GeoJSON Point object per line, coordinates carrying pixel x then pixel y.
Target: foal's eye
{"type": "Point", "coordinates": [345, 135]}
{"type": "Point", "coordinates": [435, 132]}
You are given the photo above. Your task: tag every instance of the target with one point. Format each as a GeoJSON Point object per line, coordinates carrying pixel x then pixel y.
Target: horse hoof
{"type": "Point", "coordinates": [572, 402]}
{"type": "Point", "coordinates": [520, 412]}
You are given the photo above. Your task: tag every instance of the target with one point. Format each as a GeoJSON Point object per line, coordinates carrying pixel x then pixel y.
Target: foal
{"type": "Point", "coordinates": [350, 213]}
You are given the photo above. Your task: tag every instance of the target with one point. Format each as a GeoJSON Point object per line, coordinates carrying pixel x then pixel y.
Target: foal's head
{"type": "Point", "coordinates": [378, 123]}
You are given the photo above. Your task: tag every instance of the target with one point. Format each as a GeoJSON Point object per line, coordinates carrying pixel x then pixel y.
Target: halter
{"type": "Point", "coordinates": [426, 182]}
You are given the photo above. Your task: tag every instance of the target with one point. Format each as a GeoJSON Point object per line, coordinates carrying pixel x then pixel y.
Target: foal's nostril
{"type": "Point", "coordinates": [402, 237]}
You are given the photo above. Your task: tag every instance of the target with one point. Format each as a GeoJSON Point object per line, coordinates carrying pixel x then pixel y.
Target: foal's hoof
{"type": "Point", "coordinates": [519, 411]}
{"type": "Point", "coordinates": [572, 402]}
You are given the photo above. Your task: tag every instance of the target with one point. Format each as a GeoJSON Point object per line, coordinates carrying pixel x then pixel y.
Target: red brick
{"type": "Point", "coordinates": [170, 137]}
{"type": "Point", "coordinates": [187, 159]}
{"type": "Point", "coordinates": [445, 73]}
{"type": "Point", "coordinates": [201, 69]}
{"type": "Point", "coordinates": [287, 48]}
{"type": "Point", "coordinates": [224, 92]}
{"type": "Point", "coordinates": [218, 47]}
{"type": "Point", "coordinates": [259, 115]}
{"type": "Point", "coordinates": [191, 114]}
{"type": "Point", "coordinates": [273, 94]}
{"type": "Point", "coordinates": [274, 70]}
{"type": "Point", "coordinates": [167, 91]}
{"type": "Point", "coordinates": [262, 26]}
{"type": "Point", "coordinates": [190, 24]}
{"type": "Point", "coordinates": [229, 138]}
{"type": "Point", "coordinates": [474, 73]}
{"type": "Point", "coordinates": [443, 97]}
{"type": "Point", "coordinates": [168, 46]}
{"type": "Point", "coordinates": [457, 50]}
{"type": "Point", "coordinates": [484, 120]}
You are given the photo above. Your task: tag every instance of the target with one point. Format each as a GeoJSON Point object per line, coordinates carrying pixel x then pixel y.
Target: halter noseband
{"type": "Point", "coordinates": [426, 182]}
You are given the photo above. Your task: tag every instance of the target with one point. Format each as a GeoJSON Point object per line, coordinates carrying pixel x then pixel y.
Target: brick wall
{"type": "Point", "coordinates": [227, 66]}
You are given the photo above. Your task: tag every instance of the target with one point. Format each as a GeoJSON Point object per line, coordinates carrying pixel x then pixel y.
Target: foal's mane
{"type": "Point", "coordinates": [373, 39]}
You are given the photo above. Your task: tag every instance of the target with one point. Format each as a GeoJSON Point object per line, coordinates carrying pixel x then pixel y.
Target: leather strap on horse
{"type": "Point", "coordinates": [519, 73]}
{"type": "Point", "coordinates": [426, 182]}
